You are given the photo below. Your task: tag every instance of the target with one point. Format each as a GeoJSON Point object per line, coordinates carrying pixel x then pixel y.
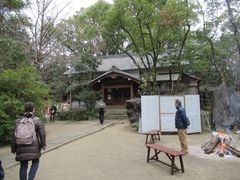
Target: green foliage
{"type": "Point", "coordinates": [53, 75]}
{"type": "Point", "coordinates": [25, 84]}
{"type": "Point", "coordinates": [83, 32]}
{"type": "Point", "coordinates": [72, 115]}
{"type": "Point", "coordinates": [135, 125]}
{"type": "Point", "coordinates": [10, 109]}
{"type": "Point", "coordinates": [17, 87]}
{"type": "Point", "coordinates": [88, 97]}
{"type": "Point", "coordinates": [12, 53]}
{"type": "Point", "coordinates": [11, 5]}
{"type": "Point", "coordinates": [150, 29]}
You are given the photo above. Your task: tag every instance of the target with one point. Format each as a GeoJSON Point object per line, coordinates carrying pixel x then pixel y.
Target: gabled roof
{"type": "Point", "coordinates": [115, 70]}
{"type": "Point", "coordinates": [121, 61]}
{"type": "Point", "coordinates": [192, 77]}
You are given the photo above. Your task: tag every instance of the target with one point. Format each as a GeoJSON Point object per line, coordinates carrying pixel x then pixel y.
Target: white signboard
{"type": "Point", "coordinates": [150, 114]}
{"type": "Point", "coordinates": [158, 112]}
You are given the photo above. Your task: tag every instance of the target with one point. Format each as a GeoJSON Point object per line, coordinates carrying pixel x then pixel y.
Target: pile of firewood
{"type": "Point", "coordinates": [221, 144]}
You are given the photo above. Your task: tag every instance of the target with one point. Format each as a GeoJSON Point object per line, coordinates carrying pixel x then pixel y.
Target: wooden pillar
{"type": "Point", "coordinates": [103, 97]}
{"type": "Point", "coordinates": [131, 90]}
{"type": "Point", "coordinates": [70, 99]}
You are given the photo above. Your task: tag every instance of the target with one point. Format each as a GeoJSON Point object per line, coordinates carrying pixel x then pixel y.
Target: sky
{"type": "Point", "coordinates": [71, 6]}
{"type": "Point", "coordinates": [75, 5]}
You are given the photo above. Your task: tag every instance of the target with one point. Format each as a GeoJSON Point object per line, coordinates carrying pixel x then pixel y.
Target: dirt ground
{"type": "Point", "coordinates": [118, 153]}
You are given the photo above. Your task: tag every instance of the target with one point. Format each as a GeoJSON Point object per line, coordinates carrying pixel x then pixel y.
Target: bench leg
{"type": "Point", "coordinates": [152, 139]}
{"type": "Point", "coordinates": [146, 139]}
{"type": "Point", "coordinates": [148, 154]}
{"type": "Point", "coordinates": [156, 154]}
{"type": "Point", "coordinates": [173, 165]}
{"type": "Point", "coordinates": [181, 162]}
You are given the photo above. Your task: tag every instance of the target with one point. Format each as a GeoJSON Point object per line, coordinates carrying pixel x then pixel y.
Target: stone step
{"type": "Point", "coordinates": [115, 113]}
{"type": "Point", "coordinates": [116, 107]}
{"type": "Point", "coordinates": [110, 117]}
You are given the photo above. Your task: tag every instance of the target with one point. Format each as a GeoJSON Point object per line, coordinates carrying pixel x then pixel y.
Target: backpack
{"type": "Point", "coordinates": [102, 105]}
{"type": "Point", "coordinates": [25, 131]}
{"type": "Point", "coordinates": [187, 121]}
{"type": "Point", "coordinates": [1, 171]}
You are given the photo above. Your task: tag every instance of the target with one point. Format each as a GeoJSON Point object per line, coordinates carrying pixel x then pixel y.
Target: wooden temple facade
{"type": "Point", "coordinates": [118, 79]}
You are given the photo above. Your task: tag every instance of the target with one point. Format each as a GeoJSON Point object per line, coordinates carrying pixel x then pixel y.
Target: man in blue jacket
{"type": "Point", "coordinates": [181, 123]}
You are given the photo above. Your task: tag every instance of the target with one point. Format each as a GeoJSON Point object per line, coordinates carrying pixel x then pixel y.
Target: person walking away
{"type": "Point", "coordinates": [53, 110]}
{"type": "Point", "coordinates": [181, 123]}
{"type": "Point", "coordinates": [28, 140]}
{"type": "Point", "coordinates": [101, 110]}
{"type": "Point", "coordinates": [1, 171]}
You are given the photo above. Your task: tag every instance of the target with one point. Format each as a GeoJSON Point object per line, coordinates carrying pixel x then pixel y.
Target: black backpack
{"type": "Point", "coordinates": [1, 171]}
{"type": "Point", "coordinates": [187, 121]}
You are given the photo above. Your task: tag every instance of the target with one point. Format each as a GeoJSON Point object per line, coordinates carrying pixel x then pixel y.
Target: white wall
{"type": "Point", "coordinates": [158, 112]}
{"type": "Point", "coordinates": [151, 114]}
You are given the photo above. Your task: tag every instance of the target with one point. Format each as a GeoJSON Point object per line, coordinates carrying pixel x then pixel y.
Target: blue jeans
{"type": "Point", "coordinates": [32, 172]}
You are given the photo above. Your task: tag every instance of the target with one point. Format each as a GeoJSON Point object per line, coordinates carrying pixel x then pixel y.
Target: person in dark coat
{"type": "Point", "coordinates": [32, 152]}
{"type": "Point", "coordinates": [101, 110]}
{"type": "Point", "coordinates": [53, 111]}
{"type": "Point", "coordinates": [1, 171]}
{"type": "Point", "coordinates": [181, 123]}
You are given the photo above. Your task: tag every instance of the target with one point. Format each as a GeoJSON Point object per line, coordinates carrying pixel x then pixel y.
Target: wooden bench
{"type": "Point", "coordinates": [154, 134]}
{"type": "Point", "coordinates": [170, 153]}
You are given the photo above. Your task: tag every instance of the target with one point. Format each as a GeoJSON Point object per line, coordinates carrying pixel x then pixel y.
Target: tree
{"type": "Point", "coordinates": [18, 86]}
{"type": "Point", "coordinates": [20, 82]}
{"type": "Point", "coordinates": [53, 75]}
{"type": "Point", "coordinates": [234, 18]}
{"type": "Point", "coordinates": [210, 35]}
{"type": "Point", "coordinates": [8, 6]}
{"type": "Point", "coordinates": [14, 43]}
{"type": "Point", "coordinates": [148, 28]}
{"type": "Point", "coordinates": [44, 34]}
{"type": "Point", "coordinates": [83, 31]}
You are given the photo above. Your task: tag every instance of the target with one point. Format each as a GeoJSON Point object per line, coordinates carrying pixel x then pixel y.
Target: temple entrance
{"type": "Point", "coordinates": [116, 96]}
{"type": "Point", "coordinates": [116, 86]}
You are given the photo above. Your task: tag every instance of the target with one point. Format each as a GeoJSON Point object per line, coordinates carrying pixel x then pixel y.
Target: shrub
{"type": "Point", "coordinates": [73, 115]}
{"type": "Point", "coordinates": [135, 125]}
{"type": "Point", "coordinates": [10, 110]}
{"type": "Point", "coordinates": [17, 87]}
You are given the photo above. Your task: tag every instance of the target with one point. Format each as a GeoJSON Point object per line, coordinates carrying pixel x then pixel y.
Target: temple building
{"type": "Point", "coordinates": [118, 79]}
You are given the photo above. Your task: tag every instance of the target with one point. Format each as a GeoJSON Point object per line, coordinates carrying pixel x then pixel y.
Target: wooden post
{"type": "Point", "coordinates": [70, 99]}
{"type": "Point", "coordinates": [131, 90]}
{"type": "Point", "coordinates": [103, 97]}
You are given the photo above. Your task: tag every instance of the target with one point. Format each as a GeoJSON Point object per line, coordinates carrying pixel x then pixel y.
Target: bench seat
{"type": "Point", "coordinates": [170, 153]}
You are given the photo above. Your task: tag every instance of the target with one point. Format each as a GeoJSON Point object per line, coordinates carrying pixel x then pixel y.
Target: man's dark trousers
{"type": "Point", "coordinates": [101, 116]}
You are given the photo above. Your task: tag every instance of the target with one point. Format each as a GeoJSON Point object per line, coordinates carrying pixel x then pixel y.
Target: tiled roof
{"type": "Point", "coordinates": [121, 61]}
{"type": "Point", "coordinates": [114, 69]}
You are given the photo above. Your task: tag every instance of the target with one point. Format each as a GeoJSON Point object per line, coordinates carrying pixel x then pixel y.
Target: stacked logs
{"type": "Point", "coordinates": [221, 144]}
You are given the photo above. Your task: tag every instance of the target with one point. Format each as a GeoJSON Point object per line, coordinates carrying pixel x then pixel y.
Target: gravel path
{"type": "Point", "coordinates": [118, 153]}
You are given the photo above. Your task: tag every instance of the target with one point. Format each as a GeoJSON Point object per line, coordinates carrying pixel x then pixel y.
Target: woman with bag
{"type": "Point", "coordinates": [28, 140]}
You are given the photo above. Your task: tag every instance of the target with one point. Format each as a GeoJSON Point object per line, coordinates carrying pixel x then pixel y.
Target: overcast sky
{"type": "Point", "coordinates": [70, 9]}
{"type": "Point", "coordinates": [75, 5]}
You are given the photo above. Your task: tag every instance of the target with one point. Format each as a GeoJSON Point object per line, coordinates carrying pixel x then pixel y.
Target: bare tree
{"type": "Point", "coordinates": [45, 15]}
